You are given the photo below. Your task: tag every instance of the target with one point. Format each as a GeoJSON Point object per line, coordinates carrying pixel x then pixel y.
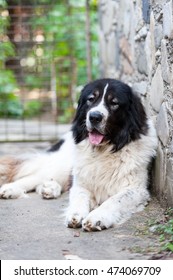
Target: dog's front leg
{"type": "Point", "coordinates": [116, 209]}
{"type": "Point", "coordinates": [79, 206]}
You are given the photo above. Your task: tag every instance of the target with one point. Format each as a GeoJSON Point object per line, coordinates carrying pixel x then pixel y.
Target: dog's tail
{"type": "Point", "coordinates": [9, 167]}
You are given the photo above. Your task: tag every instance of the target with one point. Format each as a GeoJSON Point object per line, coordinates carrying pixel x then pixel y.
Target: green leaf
{"type": "Point", "coordinates": [169, 246]}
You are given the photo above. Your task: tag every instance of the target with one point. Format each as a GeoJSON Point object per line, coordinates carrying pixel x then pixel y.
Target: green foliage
{"type": "Point", "coordinates": [63, 29]}
{"type": "Point", "coordinates": [34, 81]}
{"type": "Point", "coordinates": [165, 230]}
{"type": "Point", "coordinates": [10, 105]}
{"type": "Point", "coordinates": [67, 115]}
{"type": "Point", "coordinates": [11, 108]}
{"type": "Point", "coordinates": [62, 25]}
{"type": "Point", "coordinates": [32, 108]}
{"type": "Point", "coordinates": [3, 3]}
{"type": "Point", "coordinates": [6, 50]}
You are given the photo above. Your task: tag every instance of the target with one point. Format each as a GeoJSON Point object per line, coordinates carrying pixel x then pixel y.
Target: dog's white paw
{"type": "Point", "coordinates": [11, 191]}
{"type": "Point", "coordinates": [49, 189]}
{"type": "Point", "coordinates": [74, 220]}
{"type": "Point", "coordinates": [74, 217]}
{"type": "Point", "coordinates": [96, 221]}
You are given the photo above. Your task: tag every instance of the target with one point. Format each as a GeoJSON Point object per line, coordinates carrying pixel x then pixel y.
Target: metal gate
{"type": "Point", "coordinates": [45, 46]}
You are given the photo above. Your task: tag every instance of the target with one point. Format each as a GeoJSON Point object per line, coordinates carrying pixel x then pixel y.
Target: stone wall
{"type": "Point", "coordinates": [136, 46]}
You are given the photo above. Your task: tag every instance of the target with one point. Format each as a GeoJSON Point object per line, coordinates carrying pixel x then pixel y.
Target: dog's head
{"type": "Point", "coordinates": [109, 113]}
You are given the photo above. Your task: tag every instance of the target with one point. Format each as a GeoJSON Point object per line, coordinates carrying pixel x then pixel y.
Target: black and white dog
{"type": "Point", "coordinates": [107, 153]}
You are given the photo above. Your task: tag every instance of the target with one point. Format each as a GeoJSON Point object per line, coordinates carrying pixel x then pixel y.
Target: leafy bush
{"type": "Point", "coordinates": [10, 105]}
{"type": "Point", "coordinates": [32, 108]}
{"type": "Point", "coordinates": [63, 47]}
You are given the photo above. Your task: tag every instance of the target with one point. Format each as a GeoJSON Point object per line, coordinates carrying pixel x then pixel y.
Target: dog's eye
{"type": "Point", "coordinates": [114, 103]}
{"type": "Point", "coordinates": [90, 99]}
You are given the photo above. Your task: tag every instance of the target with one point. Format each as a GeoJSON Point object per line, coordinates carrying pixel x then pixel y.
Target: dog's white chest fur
{"type": "Point", "coordinates": [106, 172]}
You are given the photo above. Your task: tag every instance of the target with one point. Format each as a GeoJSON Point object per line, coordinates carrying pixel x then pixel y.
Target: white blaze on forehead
{"type": "Point", "coordinates": [101, 107]}
{"type": "Point", "coordinates": [105, 90]}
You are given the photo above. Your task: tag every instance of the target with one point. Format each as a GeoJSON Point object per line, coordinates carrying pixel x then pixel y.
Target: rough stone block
{"type": "Point", "coordinates": [158, 35]}
{"type": "Point", "coordinates": [117, 52]}
{"type": "Point", "coordinates": [162, 124]}
{"type": "Point", "coordinates": [152, 27]}
{"type": "Point", "coordinates": [160, 173]}
{"type": "Point", "coordinates": [141, 34]}
{"type": "Point", "coordinates": [167, 20]}
{"type": "Point", "coordinates": [148, 51]}
{"type": "Point", "coordinates": [127, 18]}
{"type": "Point", "coordinates": [125, 48]}
{"type": "Point", "coordinates": [166, 74]}
{"type": "Point", "coordinates": [140, 88]}
{"type": "Point", "coordinates": [142, 60]}
{"type": "Point", "coordinates": [171, 147]}
{"type": "Point", "coordinates": [169, 182]}
{"type": "Point", "coordinates": [138, 16]}
{"type": "Point", "coordinates": [158, 2]}
{"type": "Point", "coordinates": [111, 72]}
{"type": "Point", "coordinates": [111, 46]}
{"type": "Point", "coordinates": [127, 67]}
{"type": "Point", "coordinates": [102, 45]}
{"type": "Point", "coordinates": [146, 10]}
{"type": "Point", "coordinates": [157, 89]}
{"type": "Point", "coordinates": [109, 16]}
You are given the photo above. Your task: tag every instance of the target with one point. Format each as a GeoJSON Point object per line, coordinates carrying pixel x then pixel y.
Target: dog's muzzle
{"type": "Point", "coordinates": [96, 127]}
{"type": "Point", "coordinates": [95, 117]}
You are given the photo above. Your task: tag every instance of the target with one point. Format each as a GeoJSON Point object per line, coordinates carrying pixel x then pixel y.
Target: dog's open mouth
{"type": "Point", "coordinates": [95, 137]}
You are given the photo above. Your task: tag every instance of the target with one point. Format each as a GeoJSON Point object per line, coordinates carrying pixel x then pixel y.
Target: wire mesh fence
{"type": "Point", "coordinates": [43, 50]}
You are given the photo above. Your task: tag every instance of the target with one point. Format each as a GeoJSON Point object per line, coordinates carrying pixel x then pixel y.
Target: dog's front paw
{"type": "Point", "coordinates": [49, 189]}
{"type": "Point", "coordinates": [95, 221]}
{"type": "Point", "coordinates": [74, 220]}
{"type": "Point", "coordinates": [10, 190]}
{"type": "Point", "coordinates": [74, 217]}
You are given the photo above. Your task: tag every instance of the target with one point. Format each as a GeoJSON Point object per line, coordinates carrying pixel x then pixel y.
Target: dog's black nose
{"type": "Point", "coordinates": [95, 117]}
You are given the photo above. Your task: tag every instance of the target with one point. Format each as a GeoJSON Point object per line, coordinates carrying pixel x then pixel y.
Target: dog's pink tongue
{"type": "Point", "coordinates": [95, 138]}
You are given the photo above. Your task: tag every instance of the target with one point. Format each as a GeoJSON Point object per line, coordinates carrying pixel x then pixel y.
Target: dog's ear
{"type": "Point", "coordinates": [80, 112]}
{"type": "Point", "coordinates": [78, 125]}
{"type": "Point", "coordinates": [133, 123]}
{"type": "Point", "coordinates": [82, 100]}
{"type": "Point", "coordinates": [137, 117]}
{"type": "Point", "coordinates": [120, 140]}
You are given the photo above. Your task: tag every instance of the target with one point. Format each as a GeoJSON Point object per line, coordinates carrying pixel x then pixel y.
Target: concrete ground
{"type": "Point", "coordinates": [33, 228]}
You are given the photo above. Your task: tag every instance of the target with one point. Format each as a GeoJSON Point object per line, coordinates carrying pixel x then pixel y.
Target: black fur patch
{"type": "Point", "coordinates": [125, 124]}
{"type": "Point", "coordinates": [56, 146]}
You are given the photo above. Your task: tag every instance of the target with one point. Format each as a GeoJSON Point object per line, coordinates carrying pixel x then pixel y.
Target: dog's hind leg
{"type": "Point", "coordinates": [49, 189]}
{"type": "Point", "coordinates": [20, 187]}
{"type": "Point", "coordinates": [9, 167]}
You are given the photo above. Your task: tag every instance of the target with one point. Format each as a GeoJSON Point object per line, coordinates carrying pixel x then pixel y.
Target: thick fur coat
{"type": "Point", "coordinates": [106, 154]}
